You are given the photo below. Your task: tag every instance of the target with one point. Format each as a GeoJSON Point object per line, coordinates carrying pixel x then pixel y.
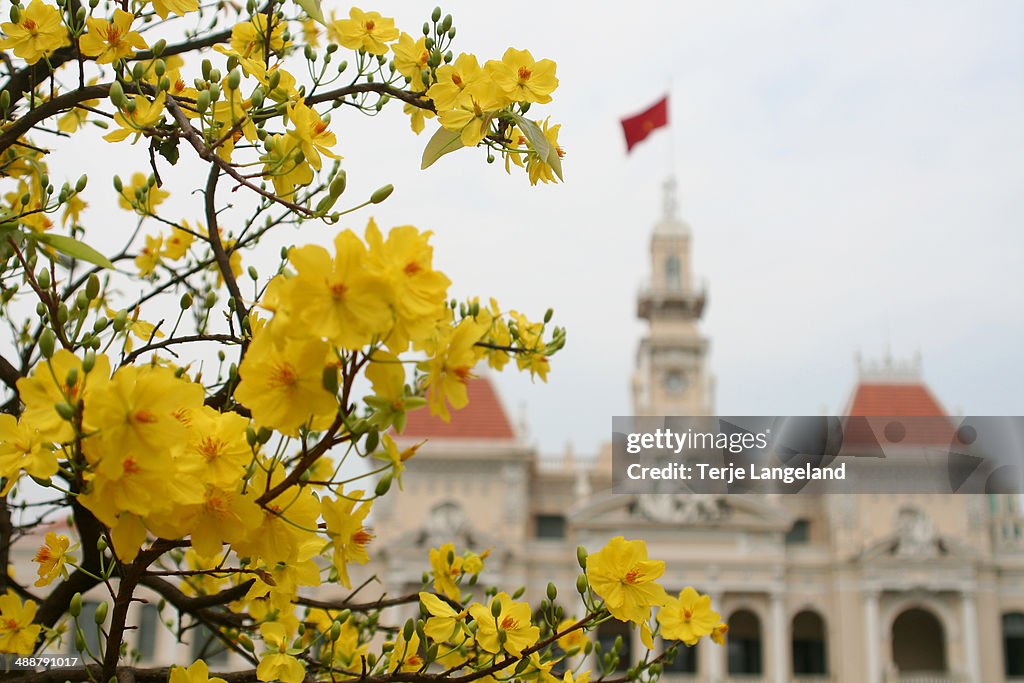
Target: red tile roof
{"type": "Point", "coordinates": [880, 399]}
{"type": "Point", "coordinates": [896, 400]}
{"type": "Point", "coordinates": [483, 418]}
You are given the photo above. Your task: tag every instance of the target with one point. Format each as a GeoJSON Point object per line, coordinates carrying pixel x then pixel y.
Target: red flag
{"type": "Point", "coordinates": [638, 127]}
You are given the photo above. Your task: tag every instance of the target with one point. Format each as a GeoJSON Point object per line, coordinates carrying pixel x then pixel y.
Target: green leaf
{"type": "Point", "coordinates": [169, 150]}
{"type": "Point", "coordinates": [441, 142]}
{"type": "Point", "coordinates": [312, 8]}
{"type": "Point", "coordinates": [73, 248]}
{"type": "Point", "coordinates": [539, 143]}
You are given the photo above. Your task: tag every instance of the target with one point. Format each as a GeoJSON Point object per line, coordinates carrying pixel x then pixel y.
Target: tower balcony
{"type": "Point", "coordinates": [670, 302]}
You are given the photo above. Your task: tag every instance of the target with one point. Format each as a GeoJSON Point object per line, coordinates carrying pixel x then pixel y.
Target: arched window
{"type": "Point", "coordinates": [809, 649]}
{"type": "Point", "coordinates": [673, 275]}
{"type": "Point", "coordinates": [918, 643]}
{"type": "Point", "coordinates": [744, 643]}
{"type": "Point", "coordinates": [1013, 644]}
{"type": "Point", "coordinates": [608, 633]}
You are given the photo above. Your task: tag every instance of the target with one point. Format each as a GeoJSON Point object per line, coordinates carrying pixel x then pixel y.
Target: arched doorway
{"type": "Point", "coordinates": [744, 643]}
{"type": "Point", "coordinates": [611, 632]}
{"type": "Point", "coordinates": [918, 642]}
{"type": "Point", "coordinates": [810, 654]}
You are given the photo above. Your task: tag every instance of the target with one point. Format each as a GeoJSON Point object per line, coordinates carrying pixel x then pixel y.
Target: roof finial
{"type": "Point", "coordinates": [671, 203]}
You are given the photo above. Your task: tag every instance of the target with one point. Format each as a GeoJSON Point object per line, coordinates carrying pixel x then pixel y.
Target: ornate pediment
{"type": "Point", "coordinates": [675, 510]}
{"type": "Point", "coordinates": [915, 539]}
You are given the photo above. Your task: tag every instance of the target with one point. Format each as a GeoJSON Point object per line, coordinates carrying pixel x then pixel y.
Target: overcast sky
{"type": "Point", "coordinates": [852, 174]}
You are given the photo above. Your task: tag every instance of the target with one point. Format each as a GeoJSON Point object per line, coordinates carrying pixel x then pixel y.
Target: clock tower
{"type": "Point", "coordinates": [671, 376]}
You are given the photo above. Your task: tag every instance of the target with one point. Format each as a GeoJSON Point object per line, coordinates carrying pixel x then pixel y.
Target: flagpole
{"type": "Point", "coordinates": [671, 131]}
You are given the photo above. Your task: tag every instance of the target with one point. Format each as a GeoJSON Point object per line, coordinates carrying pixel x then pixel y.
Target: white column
{"type": "Point", "coordinates": [969, 617]}
{"type": "Point", "coordinates": [711, 655]}
{"type": "Point", "coordinates": [873, 664]}
{"type": "Point", "coordinates": [779, 639]}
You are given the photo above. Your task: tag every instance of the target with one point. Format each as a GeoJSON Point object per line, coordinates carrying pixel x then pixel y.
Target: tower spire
{"type": "Point", "coordinates": [670, 203]}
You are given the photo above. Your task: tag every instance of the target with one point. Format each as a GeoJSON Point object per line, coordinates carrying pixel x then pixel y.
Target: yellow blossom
{"type": "Point", "coordinates": [17, 632]}
{"type": "Point", "coordinates": [310, 131]}
{"type": "Point", "coordinates": [339, 298]}
{"type": "Point", "coordinates": [73, 211]}
{"type": "Point", "coordinates": [411, 57]}
{"type": "Point", "coordinates": [148, 257]}
{"type": "Point", "coordinates": [249, 38]}
{"type": "Point", "coordinates": [111, 41]}
{"type": "Point", "coordinates": [141, 195]}
{"type": "Point", "coordinates": [688, 617]}
{"type": "Point", "coordinates": [23, 447]}
{"type": "Point", "coordinates": [472, 112]}
{"type": "Point", "coordinates": [417, 117]}
{"type": "Point", "coordinates": [453, 79]}
{"type": "Point", "coordinates": [47, 386]}
{"type": "Point", "coordinates": [367, 31]}
{"type": "Point", "coordinates": [538, 168]}
{"type": "Point", "coordinates": [405, 655]}
{"type": "Point", "coordinates": [283, 386]}
{"type": "Point", "coordinates": [179, 7]}
{"type": "Point", "coordinates": [276, 664]}
{"type": "Point", "coordinates": [442, 626]}
{"type": "Point", "coordinates": [38, 33]}
{"type": "Point", "coordinates": [177, 244]}
{"type": "Point", "coordinates": [571, 642]}
{"type": "Point", "coordinates": [146, 115]}
{"type": "Point", "coordinates": [395, 457]}
{"type": "Point", "coordinates": [51, 557]}
{"type": "Point", "coordinates": [447, 567]}
{"type": "Point", "coordinates": [450, 366]}
{"type": "Point", "coordinates": [622, 575]}
{"type": "Point", "coordinates": [718, 633]}
{"type": "Point", "coordinates": [522, 79]}
{"type": "Point", "coordinates": [197, 673]}
{"type": "Point", "coordinates": [285, 165]}
{"type": "Point", "coordinates": [513, 619]}
{"type": "Point", "coordinates": [344, 519]}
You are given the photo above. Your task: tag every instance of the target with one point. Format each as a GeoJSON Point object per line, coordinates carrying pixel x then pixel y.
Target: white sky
{"type": "Point", "coordinates": [852, 174]}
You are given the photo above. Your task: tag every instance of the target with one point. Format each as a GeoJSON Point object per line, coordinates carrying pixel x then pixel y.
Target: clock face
{"type": "Point", "coordinates": [675, 382]}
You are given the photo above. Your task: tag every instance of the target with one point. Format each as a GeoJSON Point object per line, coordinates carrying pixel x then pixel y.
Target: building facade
{"type": "Point", "coordinates": [847, 588]}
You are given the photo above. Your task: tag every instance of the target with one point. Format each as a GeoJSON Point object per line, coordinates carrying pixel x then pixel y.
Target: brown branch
{"type": "Point", "coordinates": [223, 338]}
{"type": "Point", "coordinates": [416, 99]}
{"type": "Point", "coordinates": [200, 605]}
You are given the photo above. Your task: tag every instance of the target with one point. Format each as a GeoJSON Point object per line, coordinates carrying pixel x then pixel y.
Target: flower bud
{"type": "Point", "coordinates": [138, 71]}
{"type": "Point", "coordinates": [47, 339]}
{"type": "Point", "coordinates": [436, 14]}
{"type": "Point", "coordinates": [43, 278]}
{"type": "Point", "coordinates": [120, 320]}
{"type": "Point", "coordinates": [372, 441]}
{"type": "Point", "coordinates": [100, 324]}
{"type": "Point", "coordinates": [274, 79]}
{"type": "Point", "coordinates": [335, 631]}
{"type": "Point", "coordinates": [383, 485]}
{"type": "Point", "coordinates": [75, 608]}
{"type": "Point", "coordinates": [446, 23]}
{"type": "Point", "coordinates": [88, 362]}
{"type": "Point", "coordinates": [426, 28]}
{"type": "Point", "coordinates": [408, 629]}
{"type": "Point", "coordinates": [118, 186]}
{"type": "Point", "coordinates": [581, 556]}
{"type": "Point", "coordinates": [234, 79]}
{"type": "Point", "coordinates": [581, 584]}
{"type": "Point", "coordinates": [496, 608]}
{"type": "Point", "coordinates": [116, 94]}
{"type": "Point", "coordinates": [338, 183]}
{"type": "Point", "coordinates": [256, 99]}
{"type": "Point", "coordinates": [158, 47]}
{"type": "Point", "coordinates": [552, 592]}
{"type": "Point", "coordinates": [92, 286]}
{"type": "Point", "coordinates": [382, 193]}
{"type": "Point", "coordinates": [186, 301]}
{"type": "Point", "coordinates": [72, 377]}
{"type": "Point", "coordinates": [101, 612]}
{"type": "Point", "coordinates": [65, 410]}
{"type": "Point", "coordinates": [203, 101]}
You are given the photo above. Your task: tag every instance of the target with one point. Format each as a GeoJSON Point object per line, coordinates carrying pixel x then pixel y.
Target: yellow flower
{"type": "Point", "coordinates": [395, 457]}
{"type": "Point", "coordinates": [539, 169]}
{"type": "Point", "coordinates": [450, 366]}
{"type": "Point", "coordinates": [349, 537]}
{"type": "Point", "coordinates": [339, 298]}
{"type": "Point", "coordinates": [282, 167]}
{"type": "Point", "coordinates": [347, 649]}
{"type": "Point", "coordinates": [111, 41]}
{"type": "Point", "coordinates": [453, 79]}
{"type": "Point", "coordinates": [406, 261]}
{"type": "Point", "coordinates": [137, 412]}
{"type": "Point", "coordinates": [51, 557]}
{"type": "Point", "coordinates": [148, 257]}
{"type": "Point", "coordinates": [217, 446]}
{"type": "Point", "coordinates": [277, 664]}
{"type": "Point", "coordinates": [73, 210]}
{"type": "Point", "coordinates": [513, 619]}
{"type": "Point", "coordinates": [622, 575]}
{"type": "Point", "coordinates": [17, 632]}
{"type": "Point", "coordinates": [688, 617]}
{"type": "Point", "coordinates": [411, 57]}
{"type": "Point", "coordinates": [179, 241]}
{"type": "Point", "coordinates": [283, 386]}
{"type": "Point", "coordinates": [571, 642]}
{"type": "Point", "coordinates": [311, 32]}
{"type": "Point", "coordinates": [38, 33]}
{"type": "Point", "coordinates": [23, 447]}
{"type": "Point", "coordinates": [472, 112]}
{"type": "Point", "coordinates": [224, 516]}
{"type": "Point", "coordinates": [405, 655]}
{"type": "Point", "coordinates": [447, 567]}
{"type": "Point", "coordinates": [141, 195]}
{"type": "Point", "coordinates": [417, 117]}
{"type": "Point", "coordinates": [718, 633]}
{"type": "Point", "coordinates": [310, 131]}
{"type": "Point", "coordinates": [367, 31]}
{"type": "Point", "coordinates": [443, 622]}
{"type": "Point", "coordinates": [47, 386]}
{"type": "Point", "coordinates": [146, 115]}
{"type": "Point", "coordinates": [249, 38]}
{"type": "Point", "coordinates": [179, 7]}
{"type": "Point", "coordinates": [522, 79]}
{"type": "Point", "coordinates": [199, 672]}
{"type": "Point", "coordinates": [282, 535]}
